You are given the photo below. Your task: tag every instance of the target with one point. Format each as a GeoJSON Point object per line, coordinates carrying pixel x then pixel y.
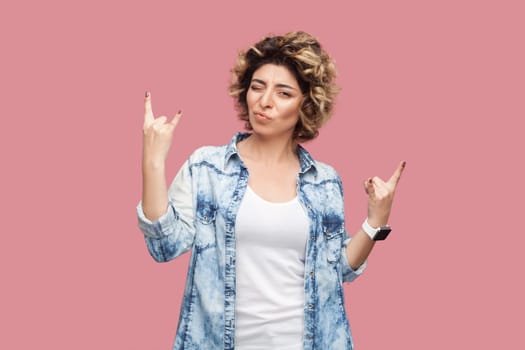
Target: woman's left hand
{"type": "Point", "coordinates": [381, 196]}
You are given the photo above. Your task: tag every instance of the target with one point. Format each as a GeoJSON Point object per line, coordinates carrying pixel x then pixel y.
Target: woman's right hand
{"type": "Point", "coordinates": [158, 135]}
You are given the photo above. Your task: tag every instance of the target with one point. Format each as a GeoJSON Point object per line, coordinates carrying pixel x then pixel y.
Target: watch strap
{"type": "Point", "coordinates": [369, 230]}
{"type": "Point", "coordinates": [376, 234]}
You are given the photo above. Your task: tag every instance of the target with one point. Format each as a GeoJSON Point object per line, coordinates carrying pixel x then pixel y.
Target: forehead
{"type": "Point", "coordinates": [276, 74]}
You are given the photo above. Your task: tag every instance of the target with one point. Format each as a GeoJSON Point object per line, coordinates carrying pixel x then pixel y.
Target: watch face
{"type": "Point", "coordinates": [382, 233]}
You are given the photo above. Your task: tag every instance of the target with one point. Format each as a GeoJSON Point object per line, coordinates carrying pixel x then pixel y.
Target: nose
{"type": "Point", "coordinates": [266, 99]}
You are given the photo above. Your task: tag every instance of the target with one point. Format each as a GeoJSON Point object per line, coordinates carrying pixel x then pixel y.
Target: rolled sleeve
{"type": "Point", "coordinates": [349, 274]}
{"type": "Point", "coordinates": [159, 228]}
{"type": "Point", "coordinates": [173, 233]}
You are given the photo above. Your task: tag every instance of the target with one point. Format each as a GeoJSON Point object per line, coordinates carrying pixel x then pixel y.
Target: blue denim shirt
{"type": "Point", "coordinates": [203, 202]}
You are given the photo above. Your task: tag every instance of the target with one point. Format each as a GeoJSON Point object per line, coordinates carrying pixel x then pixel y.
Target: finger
{"type": "Point", "coordinates": [148, 112]}
{"type": "Point", "coordinates": [394, 179]}
{"type": "Point", "coordinates": [376, 180]}
{"type": "Point", "coordinates": [369, 186]}
{"type": "Point", "coordinates": [365, 185]}
{"type": "Point", "coordinates": [160, 121]}
{"type": "Point", "coordinates": [176, 118]}
{"type": "Point", "coordinates": [381, 188]}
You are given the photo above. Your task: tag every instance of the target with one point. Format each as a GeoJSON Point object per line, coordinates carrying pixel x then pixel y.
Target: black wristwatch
{"type": "Point", "coordinates": [376, 234]}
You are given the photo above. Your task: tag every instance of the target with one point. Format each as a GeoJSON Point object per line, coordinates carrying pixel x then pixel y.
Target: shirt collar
{"type": "Point", "coordinates": [231, 148]}
{"type": "Point", "coordinates": [305, 159]}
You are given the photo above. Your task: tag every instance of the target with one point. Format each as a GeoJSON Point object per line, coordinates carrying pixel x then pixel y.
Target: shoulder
{"type": "Point", "coordinates": [325, 171]}
{"type": "Point", "coordinates": [217, 156]}
{"type": "Point", "coordinates": [324, 181]}
{"type": "Point", "coordinates": [315, 170]}
{"type": "Point", "coordinates": [207, 157]}
{"type": "Point", "coordinates": [208, 153]}
{"type": "Point", "coordinates": [328, 177]}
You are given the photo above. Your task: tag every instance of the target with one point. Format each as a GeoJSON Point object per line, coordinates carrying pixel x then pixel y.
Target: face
{"type": "Point", "coordinates": [274, 100]}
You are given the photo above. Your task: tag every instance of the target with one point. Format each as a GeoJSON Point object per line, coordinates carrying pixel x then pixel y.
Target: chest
{"type": "Point", "coordinates": [277, 183]}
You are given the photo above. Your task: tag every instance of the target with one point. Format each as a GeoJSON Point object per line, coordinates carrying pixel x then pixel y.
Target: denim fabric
{"type": "Point", "coordinates": [203, 202]}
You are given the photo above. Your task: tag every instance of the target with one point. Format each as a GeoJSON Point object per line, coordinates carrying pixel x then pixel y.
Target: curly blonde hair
{"type": "Point", "coordinates": [313, 68]}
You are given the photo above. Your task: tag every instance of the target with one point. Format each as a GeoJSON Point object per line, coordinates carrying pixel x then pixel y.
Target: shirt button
{"type": "Point", "coordinates": [309, 337]}
{"type": "Point", "coordinates": [313, 238]}
{"type": "Point", "coordinates": [311, 274]}
{"type": "Point", "coordinates": [310, 306]}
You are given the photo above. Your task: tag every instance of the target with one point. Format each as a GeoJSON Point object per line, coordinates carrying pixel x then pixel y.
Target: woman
{"type": "Point", "coordinates": [264, 221]}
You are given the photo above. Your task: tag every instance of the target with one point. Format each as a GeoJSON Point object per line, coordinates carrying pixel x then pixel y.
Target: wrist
{"type": "Point", "coordinates": [369, 229]}
{"type": "Point", "coordinates": [375, 222]}
{"type": "Point", "coordinates": [375, 233]}
{"type": "Point", "coordinates": [153, 163]}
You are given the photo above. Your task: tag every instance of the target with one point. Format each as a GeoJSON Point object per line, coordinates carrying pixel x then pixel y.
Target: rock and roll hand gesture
{"type": "Point", "coordinates": [380, 196]}
{"type": "Point", "coordinates": [158, 134]}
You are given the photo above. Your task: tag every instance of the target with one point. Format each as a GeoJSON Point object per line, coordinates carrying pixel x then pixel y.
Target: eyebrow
{"type": "Point", "coordinates": [278, 85]}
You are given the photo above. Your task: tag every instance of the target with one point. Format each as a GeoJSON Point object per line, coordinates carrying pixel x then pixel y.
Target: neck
{"type": "Point", "coordinates": [269, 150]}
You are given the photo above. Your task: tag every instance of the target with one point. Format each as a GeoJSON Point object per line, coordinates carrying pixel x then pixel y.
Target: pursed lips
{"type": "Point", "coordinates": [262, 115]}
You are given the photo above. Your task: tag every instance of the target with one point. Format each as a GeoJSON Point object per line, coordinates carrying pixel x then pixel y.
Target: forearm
{"type": "Point", "coordinates": [358, 249]}
{"type": "Point", "coordinates": [154, 189]}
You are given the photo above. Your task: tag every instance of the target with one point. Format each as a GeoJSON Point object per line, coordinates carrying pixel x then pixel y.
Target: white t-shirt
{"type": "Point", "coordinates": [271, 245]}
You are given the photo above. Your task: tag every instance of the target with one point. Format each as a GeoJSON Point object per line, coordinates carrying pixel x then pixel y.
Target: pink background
{"type": "Point", "coordinates": [439, 84]}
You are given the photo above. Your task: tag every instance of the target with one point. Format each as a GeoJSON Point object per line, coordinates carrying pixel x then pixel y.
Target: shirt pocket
{"type": "Point", "coordinates": [205, 216]}
{"type": "Point", "coordinates": [206, 213]}
{"type": "Point", "coordinates": [333, 233]}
